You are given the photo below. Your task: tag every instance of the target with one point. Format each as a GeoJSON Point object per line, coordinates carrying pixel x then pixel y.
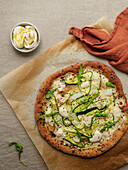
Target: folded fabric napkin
{"type": "Point", "coordinates": [113, 47]}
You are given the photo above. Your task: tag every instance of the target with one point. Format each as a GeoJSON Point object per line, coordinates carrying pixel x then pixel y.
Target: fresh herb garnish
{"type": "Point", "coordinates": [109, 125]}
{"type": "Point", "coordinates": [79, 77]}
{"type": "Point", "coordinates": [19, 149]}
{"type": "Point", "coordinates": [50, 93]}
{"type": "Point", "coordinates": [85, 100]}
{"type": "Point", "coordinates": [45, 115]}
{"type": "Point", "coordinates": [109, 84]}
{"type": "Point", "coordinates": [79, 134]}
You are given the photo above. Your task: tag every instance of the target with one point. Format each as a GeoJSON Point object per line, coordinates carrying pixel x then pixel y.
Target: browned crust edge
{"type": "Point", "coordinates": [57, 143]}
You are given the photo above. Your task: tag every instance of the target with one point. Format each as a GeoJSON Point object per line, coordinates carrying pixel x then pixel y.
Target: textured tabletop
{"type": "Point", "coordinates": [53, 19]}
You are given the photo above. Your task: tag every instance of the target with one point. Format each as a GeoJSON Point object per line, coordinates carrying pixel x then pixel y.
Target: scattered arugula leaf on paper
{"type": "Point", "coordinates": [19, 149]}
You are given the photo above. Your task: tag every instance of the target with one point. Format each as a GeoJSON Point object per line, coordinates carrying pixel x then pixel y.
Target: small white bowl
{"type": "Point", "coordinates": [24, 50]}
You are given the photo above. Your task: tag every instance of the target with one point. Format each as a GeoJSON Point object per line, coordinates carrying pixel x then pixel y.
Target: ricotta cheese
{"type": "Point", "coordinates": [63, 111]}
{"type": "Point", "coordinates": [60, 133]}
{"type": "Point", "coordinates": [59, 85]}
{"type": "Point", "coordinates": [96, 137]}
{"type": "Point", "coordinates": [116, 112]}
{"type": "Point", "coordinates": [87, 120]}
{"type": "Point", "coordinates": [76, 139]}
{"type": "Point", "coordinates": [25, 37]}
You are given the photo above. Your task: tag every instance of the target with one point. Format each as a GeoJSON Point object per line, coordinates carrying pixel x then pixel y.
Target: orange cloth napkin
{"type": "Point", "coordinates": [113, 47]}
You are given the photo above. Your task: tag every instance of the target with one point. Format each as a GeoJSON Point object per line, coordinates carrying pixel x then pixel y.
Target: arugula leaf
{"type": "Point", "coordinates": [45, 115]}
{"type": "Point", "coordinates": [79, 134]}
{"type": "Point", "coordinates": [19, 148]}
{"type": "Point", "coordinates": [85, 100]}
{"type": "Point", "coordinates": [79, 77]}
{"type": "Point", "coordinates": [80, 69]}
{"type": "Point", "coordinates": [109, 84]}
{"type": "Point", "coordinates": [50, 93]}
{"type": "Point", "coordinates": [109, 125]}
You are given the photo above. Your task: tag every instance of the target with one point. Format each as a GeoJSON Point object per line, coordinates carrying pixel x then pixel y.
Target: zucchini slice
{"type": "Point", "coordinates": [69, 139]}
{"type": "Point", "coordinates": [58, 119]}
{"type": "Point", "coordinates": [78, 101]}
{"type": "Point", "coordinates": [69, 129]}
{"type": "Point", "coordinates": [100, 104]}
{"type": "Point", "coordinates": [74, 80]}
{"type": "Point", "coordinates": [54, 104]}
{"type": "Point", "coordinates": [66, 121]}
{"type": "Point", "coordinates": [86, 90]}
{"type": "Point", "coordinates": [87, 76]}
{"type": "Point", "coordinates": [95, 84]}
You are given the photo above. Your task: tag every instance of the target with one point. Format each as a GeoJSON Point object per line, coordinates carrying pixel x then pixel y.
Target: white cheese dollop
{"type": "Point", "coordinates": [87, 120]}
{"type": "Point", "coordinates": [76, 139]}
{"type": "Point", "coordinates": [48, 119]}
{"type": "Point", "coordinates": [85, 84]}
{"type": "Point", "coordinates": [60, 133]}
{"type": "Point", "coordinates": [116, 112]}
{"type": "Point", "coordinates": [75, 96]}
{"type": "Point", "coordinates": [124, 118]}
{"type": "Point", "coordinates": [63, 111]}
{"type": "Point", "coordinates": [96, 137]}
{"type": "Point", "coordinates": [59, 85]}
{"type": "Point", "coordinates": [59, 97]}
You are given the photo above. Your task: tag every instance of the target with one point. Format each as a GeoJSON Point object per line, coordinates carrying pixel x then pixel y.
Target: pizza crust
{"type": "Point", "coordinates": [46, 130]}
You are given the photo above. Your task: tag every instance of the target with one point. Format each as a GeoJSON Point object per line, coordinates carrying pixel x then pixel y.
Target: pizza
{"type": "Point", "coordinates": [82, 110]}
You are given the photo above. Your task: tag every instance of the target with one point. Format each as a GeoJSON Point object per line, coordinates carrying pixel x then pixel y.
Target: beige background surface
{"type": "Point", "coordinates": [53, 18]}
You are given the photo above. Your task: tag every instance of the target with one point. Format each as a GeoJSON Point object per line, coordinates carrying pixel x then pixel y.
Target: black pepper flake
{"type": "Point", "coordinates": [98, 149]}
{"type": "Point", "coordinates": [73, 151]}
{"type": "Point", "coordinates": [43, 124]}
{"type": "Point", "coordinates": [80, 150]}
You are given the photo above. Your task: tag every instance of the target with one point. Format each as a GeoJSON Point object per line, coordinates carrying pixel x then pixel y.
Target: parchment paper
{"type": "Point", "coordinates": [20, 88]}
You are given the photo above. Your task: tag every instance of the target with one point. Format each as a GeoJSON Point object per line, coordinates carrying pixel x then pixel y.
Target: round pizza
{"type": "Point", "coordinates": [82, 110]}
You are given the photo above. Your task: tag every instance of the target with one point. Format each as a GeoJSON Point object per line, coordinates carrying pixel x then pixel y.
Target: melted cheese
{"type": "Point", "coordinates": [60, 133]}
{"type": "Point", "coordinates": [87, 120]}
{"type": "Point", "coordinates": [48, 119]}
{"type": "Point", "coordinates": [76, 139]}
{"type": "Point", "coordinates": [59, 85]}
{"type": "Point", "coordinates": [116, 112]}
{"type": "Point", "coordinates": [63, 111]}
{"type": "Point", "coordinates": [104, 80]}
{"type": "Point", "coordinates": [96, 137]}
